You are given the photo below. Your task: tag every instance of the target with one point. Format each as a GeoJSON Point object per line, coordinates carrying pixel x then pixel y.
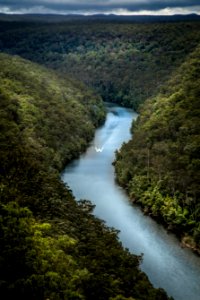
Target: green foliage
{"type": "Point", "coordinates": [52, 247]}
{"type": "Point", "coordinates": [125, 63]}
{"type": "Point", "coordinates": [162, 159]}
{"type": "Point", "coordinates": [33, 264]}
{"type": "Point", "coordinates": [48, 109]}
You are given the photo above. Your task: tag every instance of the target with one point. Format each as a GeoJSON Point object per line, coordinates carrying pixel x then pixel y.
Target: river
{"type": "Point", "coordinates": [167, 265]}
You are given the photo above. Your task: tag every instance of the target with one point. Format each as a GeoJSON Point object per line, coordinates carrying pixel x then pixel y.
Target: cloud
{"type": "Point", "coordinates": [161, 12]}
{"type": "Point", "coordinates": [101, 6]}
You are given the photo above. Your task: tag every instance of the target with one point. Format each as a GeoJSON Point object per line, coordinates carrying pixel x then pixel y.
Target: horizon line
{"type": "Point", "coordinates": [100, 14]}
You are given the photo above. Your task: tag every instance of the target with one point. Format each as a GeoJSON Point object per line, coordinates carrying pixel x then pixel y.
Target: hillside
{"type": "Point", "coordinates": [47, 109]}
{"type": "Point", "coordinates": [125, 62]}
{"type": "Point", "coordinates": [160, 166]}
{"type": "Point", "coordinates": [52, 247]}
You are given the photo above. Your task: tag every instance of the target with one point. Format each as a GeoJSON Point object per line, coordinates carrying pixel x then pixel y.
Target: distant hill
{"type": "Point", "coordinates": [96, 17]}
{"type": "Point", "coordinates": [124, 62]}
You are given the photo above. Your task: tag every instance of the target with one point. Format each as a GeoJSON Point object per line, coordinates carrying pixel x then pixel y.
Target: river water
{"type": "Point", "coordinates": [91, 177]}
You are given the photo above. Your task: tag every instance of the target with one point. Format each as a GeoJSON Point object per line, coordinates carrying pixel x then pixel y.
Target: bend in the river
{"type": "Point", "coordinates": [169, 266]}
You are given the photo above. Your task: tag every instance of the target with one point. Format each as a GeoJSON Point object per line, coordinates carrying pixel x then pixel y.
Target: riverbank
{"type": "Point", "coordinates": [92, 177]}
{"type": "Point", "coordinates": [188, 242]}
{"type": "Point", "coordinates": [185, 240]}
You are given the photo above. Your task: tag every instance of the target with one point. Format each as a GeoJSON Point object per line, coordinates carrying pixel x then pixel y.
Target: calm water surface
{"type": "Point", "coordinates": [167, 265]}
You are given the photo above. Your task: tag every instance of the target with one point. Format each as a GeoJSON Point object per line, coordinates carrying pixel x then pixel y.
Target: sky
{"type": "Point", "coordinates": [88, 7]}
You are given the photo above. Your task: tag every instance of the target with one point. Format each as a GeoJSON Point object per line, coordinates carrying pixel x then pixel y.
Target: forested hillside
{"type": "Point", "coordinates": [50, 246]}
{"type": "Point", "coordinates": [124, 62]}
{"type": "Point", "coordinates": [42, 102]}
{"type": "Point", "coordinates": [160, 166]}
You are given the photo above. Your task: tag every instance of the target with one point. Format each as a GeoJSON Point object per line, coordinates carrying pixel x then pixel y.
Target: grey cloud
{"type": "Point", "coordinates": [97, 5]}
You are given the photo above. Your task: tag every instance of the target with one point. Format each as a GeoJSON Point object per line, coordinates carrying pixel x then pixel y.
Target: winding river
{"type": "Point", "coordinates": [167, 265]}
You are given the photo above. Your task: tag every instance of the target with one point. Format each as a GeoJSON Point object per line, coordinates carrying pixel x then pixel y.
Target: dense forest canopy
{"type": "Point", "coordinates": [50, 246]}
{"type": "Point", "coordinates": [124, 62]}
{"type": "Point", "coordinates": [160, 166]}
{"type": "Point", "coordinates": [44, 102]}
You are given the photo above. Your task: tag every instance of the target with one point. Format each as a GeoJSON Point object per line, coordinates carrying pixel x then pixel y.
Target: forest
{"type": "Point", "coordinates": [50, 245]}
{"type": "Point", "coordinates": [160, 166]}
{"type": "Point", "coordinates": [54, 79]}
{"type": "Point", "coordinates": [124, 62]}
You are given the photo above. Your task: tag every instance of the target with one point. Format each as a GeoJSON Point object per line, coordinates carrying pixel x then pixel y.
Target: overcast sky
{"type": "Point", "coordinates": [126, 7]}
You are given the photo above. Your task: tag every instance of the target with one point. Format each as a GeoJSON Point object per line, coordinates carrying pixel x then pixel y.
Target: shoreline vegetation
{"type": "Point", "coordinates": [159, 167]}
{"type": "Point", "coordinates": [186, 241]}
